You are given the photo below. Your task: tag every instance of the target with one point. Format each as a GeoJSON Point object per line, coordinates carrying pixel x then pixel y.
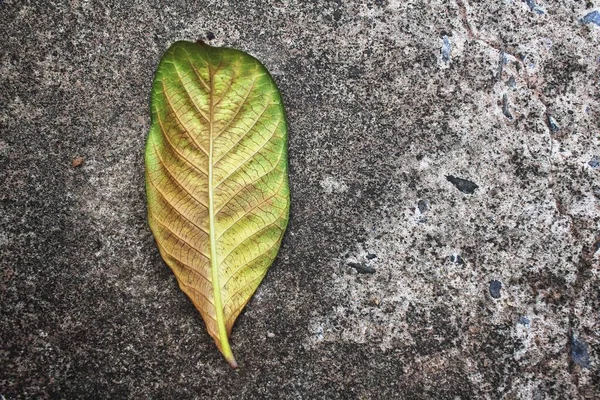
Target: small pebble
{"type": "Point", "coordinates": [446, 48]}
{"type": "Point", "coordinates": [524, 321]}
{"type": "Point", "coordinates": [501, 63]}
{"type": "Point", "coordinates": [495, 287]}
{"type": "Point", "coordinates": [362, 268]}
{"type": "Point", "coordinates": [552, 124]}
{"type": "Point", "coordinates": [593, 17]}
{"type": "Point", "coordinates": [375, 301]}
{"type": "Point", "coordinates": [534, 7]}
{"type": "Point", "coordinates": [370, 256]}
{"type": "Point", "coordinates": [457, 259]}
{"type": "Point", "coordinates": [579, 353]}
{"type": "Point", "coordinates": [77, 162]}
{"type": "Point", "coordinates": [594, 162]}
{"type": "Point", "coordinates": [463, 185]}
{"type": "Point", "coordinates": [505, 109]}
{"type": "Point", "coordinates": [270, 334]}
{"type": "Point", "coordinates": [422, 205]}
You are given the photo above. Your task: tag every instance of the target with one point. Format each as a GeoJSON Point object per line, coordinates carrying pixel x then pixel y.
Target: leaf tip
{"type": "Point", "coordinates": [232, 362]}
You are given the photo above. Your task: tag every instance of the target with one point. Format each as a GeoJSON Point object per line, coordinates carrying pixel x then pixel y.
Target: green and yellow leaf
{"type": "Point", "coordinates": [216, 177]}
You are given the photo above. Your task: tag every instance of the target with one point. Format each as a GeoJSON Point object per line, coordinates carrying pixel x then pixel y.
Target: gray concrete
{"type": "Point", "coordinates": [445, 229]}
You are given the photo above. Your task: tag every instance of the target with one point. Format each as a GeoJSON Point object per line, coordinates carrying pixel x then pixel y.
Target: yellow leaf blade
{"type": "Point", "coordinates": [216, 177]}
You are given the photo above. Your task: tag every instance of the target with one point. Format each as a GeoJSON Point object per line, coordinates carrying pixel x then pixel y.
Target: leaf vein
{"type": "Point", "coordinates": [248, 130]}
{"type": "Point", "coordinates": [172, 146]}
{"type": "Point", "coordinates": [185, 129]}
{"type": "Point", "coordinates": [241, 289]}
{"type": "Point", "coordinates": [171, 207]}
{"type": "Point", "coordinates": [253, 234]}
{"type": "Point", "coordinates": [251, 183]}
{"type": "Point", "coordinates": [181, 282]}
{"type": "Point", "coordinates": [246, 212]}
{"type": "Point", "coordinates": [180, 238]}
{"type": "Point", "coordinates": [179, 184]}
{"type": "Point", "coordinates": [189, 95]}
{"type": "Point", "coordinates": [264, 253]}
{"type": "Point", "coordinates": [226, 90]}
{"type": "Point", "coordinates": [250, 158]}
{"type": "Point", "coordinates": [224, 128]}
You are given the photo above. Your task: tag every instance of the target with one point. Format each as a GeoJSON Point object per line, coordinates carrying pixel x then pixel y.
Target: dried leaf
{"type": "Point", "coordinates": [216, 177]}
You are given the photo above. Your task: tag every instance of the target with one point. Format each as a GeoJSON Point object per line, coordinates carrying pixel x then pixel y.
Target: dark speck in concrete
{"type": "Point", "coordinates": [524, 321]}
{"type": "Point", "coordinates": [354, 72]}
{"type": "Point", "coordinates": [446, 49]}
{"type": "Point", "coordinates": [501, 63]}
{"type": "Point", "coordinates": [463, 185]}
{"type": "Point", "coordinates": [370, 256]}
{"type": "Point", "coordinates": [534, 7]}
{"type": "Point", "coordinates": [552, 124]}
{"type": "Point", "coordinates": [495, 287]}
{"type": "Point", "coordinates": [210, 36]}
{"type": "Point", "coordinates": [337, 15]}
{"type": "Point", "coordinates": [579, 353]}
{"type": "Point", "coordinates": [457, 259]}
{"type": "Point", "coordinates": [505, 108]}
{"type": "Point", "coordinates": [593, 17]}
{"type": "Point", "coordinates": [422, 205]}
{"type": "Point", "coordinates": [362, 268]}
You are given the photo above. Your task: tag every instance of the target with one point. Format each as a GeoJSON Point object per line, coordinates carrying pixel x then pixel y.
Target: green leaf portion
{"type": "Point", "coordinates": [216, 177]}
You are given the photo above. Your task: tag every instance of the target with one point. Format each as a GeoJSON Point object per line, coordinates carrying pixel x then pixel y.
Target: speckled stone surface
{"type": "Point", "coordinates": [444, 239]}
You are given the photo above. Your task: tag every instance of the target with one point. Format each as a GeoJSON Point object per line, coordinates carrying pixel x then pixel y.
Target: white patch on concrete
{"type": "Point", "coordinates": [331, 185]}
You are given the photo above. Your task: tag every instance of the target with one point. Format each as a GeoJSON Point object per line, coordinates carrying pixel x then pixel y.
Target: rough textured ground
{"type": "Point", "coordinates": [444, 241]}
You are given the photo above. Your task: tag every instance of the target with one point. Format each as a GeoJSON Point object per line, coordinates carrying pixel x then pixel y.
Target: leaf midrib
{"type": "Point", "coordinates": [214, 264]}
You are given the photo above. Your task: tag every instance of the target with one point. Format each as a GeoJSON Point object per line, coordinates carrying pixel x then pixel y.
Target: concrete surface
{"type": "Point", "coordinates": [445, 230]}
